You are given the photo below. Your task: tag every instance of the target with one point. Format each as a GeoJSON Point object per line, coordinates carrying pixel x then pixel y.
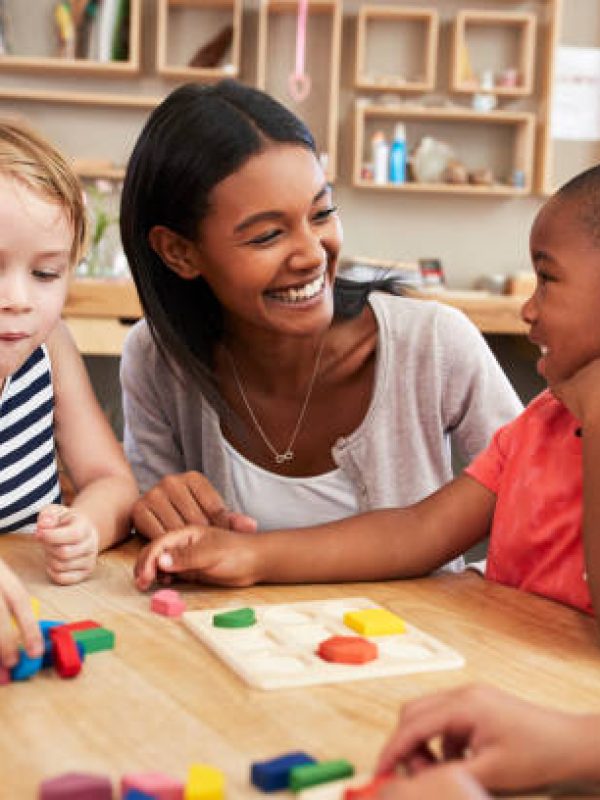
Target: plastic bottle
{"type": "Point", "coordinates": [398, 155]}
{"type": "Point", "coordinates": [381, 157]}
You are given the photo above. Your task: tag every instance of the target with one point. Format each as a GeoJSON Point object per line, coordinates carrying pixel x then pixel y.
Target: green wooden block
{"type": "Point", "coordinates": [305, 775]}
{"type": "Point", "coordinates": [95, 639]}
{"type": "Point", "coordinates": [240, 618]}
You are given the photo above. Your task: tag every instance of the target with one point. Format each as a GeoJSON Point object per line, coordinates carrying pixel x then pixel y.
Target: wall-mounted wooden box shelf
{"type": "Point", "coordinates": [276, 62]}
{"type": "Point", "coordinates": [34, 42]}
{"type": "Point", "coordinates": [396, 48]}
{"type": "Point", "coordinates": [500, 44]}
{"type": "Point", "coordinates": [207, 32]}
{"type": "Point", "coordinates": [499, 140]}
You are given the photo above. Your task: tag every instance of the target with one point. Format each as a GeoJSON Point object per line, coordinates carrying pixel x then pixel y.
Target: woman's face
{"type": "Point", "coordinates": [269, 245]}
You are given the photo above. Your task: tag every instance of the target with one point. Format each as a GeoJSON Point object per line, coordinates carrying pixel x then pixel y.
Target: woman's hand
{"type": "Point", "coordinates": [16, 620]}
{"type": "Point", "coordinates": [185, 499]}
{"type": "Point", "coordinates": [208, 555]}
{"type": "Point", "coordinates": [70, 543]}
{"type": "Point", "coordinates": [441, 783]}
{"type": "Point", "coordinates": [504, 743]}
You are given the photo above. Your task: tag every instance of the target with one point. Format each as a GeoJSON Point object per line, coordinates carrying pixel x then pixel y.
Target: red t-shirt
{"type": "Point", "coordinates": [534, 467]}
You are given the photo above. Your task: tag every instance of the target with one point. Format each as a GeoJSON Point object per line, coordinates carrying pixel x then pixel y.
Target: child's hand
{"type": "Point", "coordinates": [15, 603]}
{"type": "Point", "coordinates": [447, 783]}
{"type": "Point", "coordinates": [504, 743]}
{"type": "Point", "coordinates": [210, 555]}
{"type": "Point", "coordinates": [70, 542]}
{"type": "Point", "coordinates": [185, 499]}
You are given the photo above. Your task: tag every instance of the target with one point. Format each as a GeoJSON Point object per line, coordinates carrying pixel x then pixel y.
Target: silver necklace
{"type": "Point", "coordinates": [288, 454]}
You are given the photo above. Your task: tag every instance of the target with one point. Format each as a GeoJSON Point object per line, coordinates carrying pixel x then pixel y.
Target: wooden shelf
{"type": "Point", "coordinates": [492, 314]}
{"type": "Point", "coordinates": [66, 98]}
{"type": "Point", "coordinates": [276, 33]}
{"type": "Point", "coordinates": [478, 48]}
{"type": "Point", "coordinates": [203, 21]}
{"type": "Point", "coordinates": [112, 299]}
{"type": "Point", "coordinates": [405, 58]}
{"type": "Point", "coordinates": [420, 120]}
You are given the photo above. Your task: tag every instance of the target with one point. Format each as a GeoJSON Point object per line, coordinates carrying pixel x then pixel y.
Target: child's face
{"type": "Point", "coordinates": [564, 310]}
{"type": "Point", "coordinates": [270, 243]}
{"type": "Point", "coordinates": [35, 245]}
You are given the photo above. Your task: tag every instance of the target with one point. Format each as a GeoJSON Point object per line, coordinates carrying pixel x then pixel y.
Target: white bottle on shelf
{"type": "Point", "coordinates": [381, 157]}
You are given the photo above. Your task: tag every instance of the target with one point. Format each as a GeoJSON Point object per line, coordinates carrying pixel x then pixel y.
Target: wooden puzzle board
{"type": "Point", "coordinates": [279, 650]}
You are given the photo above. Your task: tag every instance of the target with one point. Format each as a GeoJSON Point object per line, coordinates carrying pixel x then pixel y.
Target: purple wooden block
{"type": "Point", "coordinates": [76, 786]}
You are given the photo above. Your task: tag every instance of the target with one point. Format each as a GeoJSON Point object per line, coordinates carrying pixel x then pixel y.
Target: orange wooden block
{"type": "Point", "coordinates": [347, 650]}
{"type": "Point", "coordinates": [367, 790]}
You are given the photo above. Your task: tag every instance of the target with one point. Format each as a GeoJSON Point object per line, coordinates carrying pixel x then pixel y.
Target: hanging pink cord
{"type": "Point", "coordinates": [299, 81]}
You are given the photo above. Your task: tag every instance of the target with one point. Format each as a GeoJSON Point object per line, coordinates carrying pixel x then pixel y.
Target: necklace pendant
{"type": "Point", "coordinates": [281, 458]}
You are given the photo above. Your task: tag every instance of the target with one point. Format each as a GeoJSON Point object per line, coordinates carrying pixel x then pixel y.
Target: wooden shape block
{"type": "Point", "coordinates": [240, 618]}
{"type": "Point", "coordinates": [67, 661]}
{"type": "Point", "coordinates": [135, 794]}
{"type": "Point", "coordinates": [76, 786]}
{"type": "Point", "coordinates": [347, 650]}
{"type": "Point", "coordinates": [204, 783]}
{"type": "Point", "coordinates": [94, 640]}
{"type": "Point", "coordinates": [82, 625]}
{"type": "Point", "coordinates": [167, 602]}
{"type": "Point", "coordinates": [273, 775]}
{"type": "Point", "coordinates": [25, 667]}
{"type": "Point", "coordinates": [4, 675]}
{"type": "Point", "coordinates": [374, 622]}
{"type": "Point", "coordinates": [311, 774]}
{"type": "Point", "coordinates": [367, 790]}
{"type": "Point", "coordinates": [155, 784]}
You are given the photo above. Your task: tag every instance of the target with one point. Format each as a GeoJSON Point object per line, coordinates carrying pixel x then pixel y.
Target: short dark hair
{"type": "Point", "coordinates": [585, 187]}
{"type": "Point", "coordinates": [194, 139]}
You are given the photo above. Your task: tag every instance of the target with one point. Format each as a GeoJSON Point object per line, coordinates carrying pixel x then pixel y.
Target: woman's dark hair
{"type": "Point", "coordinates": [194, 139]}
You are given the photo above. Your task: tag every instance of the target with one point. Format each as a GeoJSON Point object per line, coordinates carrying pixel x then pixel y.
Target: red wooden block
{"type": "Point", "coordinates": [347, 650]}
{"type": "Point", "coordinates": [4, 675]}
{"type": "Point", "coordinates": [367, 790]}
{"type": "Point", "coordinates": [65, 654]}
{"type": "Point", "coordinates": [76, 786]}
{"type": "Point", "coordinates": [167, 602]}
{"type": "Point", "coordinates": [82, 625]}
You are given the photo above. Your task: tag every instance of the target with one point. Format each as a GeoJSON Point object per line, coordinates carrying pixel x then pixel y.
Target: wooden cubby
{"type": "Point", "coordinates": [276, 44]}
{"type": "Point", "coordinates": [405, 56]}
{"type": "Point", "coordinates": [501, 140]}
{"type": "Point", "coordinates": [493, 41]}
{"type": "Point", "coordinates": [185, 26]}
{"type": "Point", "coordinates": [37, 27]}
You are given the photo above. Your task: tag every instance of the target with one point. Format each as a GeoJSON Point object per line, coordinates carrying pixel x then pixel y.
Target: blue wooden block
{"type": "Point", "coordinates": [25, 666]}
{"type": "Point", "coordinates": [270, 776]}
{"type": "Point", "coordinates": [135, 794]}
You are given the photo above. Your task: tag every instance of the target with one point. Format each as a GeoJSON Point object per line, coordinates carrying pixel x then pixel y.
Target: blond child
{"type": "Point", "coordinates": [536, 487]}
{"type": "Point", "coordinates": [47, 404]}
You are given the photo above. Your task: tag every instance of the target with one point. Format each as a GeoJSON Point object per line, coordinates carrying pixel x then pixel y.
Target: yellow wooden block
{"type": "Point", "coordinates": [204, 783]}
{"type": "Point", "coordinates": [374, 622]}
{"type": "Point", "coordinates": [35, 607]}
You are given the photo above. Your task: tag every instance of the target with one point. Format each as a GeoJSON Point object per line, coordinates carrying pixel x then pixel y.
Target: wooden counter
{"type": "Point", "coordinates": [99, 313]}
{"type": "Point", "coordinates": [161, 701]}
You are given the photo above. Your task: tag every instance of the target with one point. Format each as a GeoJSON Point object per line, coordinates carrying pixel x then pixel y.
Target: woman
{"type": "Point", "coordinates": [244, 390]}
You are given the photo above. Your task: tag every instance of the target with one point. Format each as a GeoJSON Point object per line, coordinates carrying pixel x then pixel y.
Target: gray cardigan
{"type": "Point", "coordinates": [435, 381]}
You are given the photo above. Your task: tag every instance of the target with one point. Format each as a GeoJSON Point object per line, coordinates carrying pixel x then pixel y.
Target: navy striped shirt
{"type": "Point", "coordinates": [28, 470]}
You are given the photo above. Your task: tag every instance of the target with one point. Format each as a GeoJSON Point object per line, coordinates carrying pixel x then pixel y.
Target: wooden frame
{"type": "Point", "coordinates": [333, 8]}
{"type": "Point", "coordinates": [525, 26]}
{"type": "Point", "coordinates": [523, 123]}
{"type": "Point", "coordinates": [427, 18]}
{"type": "Point", "coordinates": [81, 66]}
{"type": "Point", "coordinates": [230, 70]}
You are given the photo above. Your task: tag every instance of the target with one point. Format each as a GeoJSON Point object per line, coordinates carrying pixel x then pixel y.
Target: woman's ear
{"type": "Point", "coordinates": [178, 253]}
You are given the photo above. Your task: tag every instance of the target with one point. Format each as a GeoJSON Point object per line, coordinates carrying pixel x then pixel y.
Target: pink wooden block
{"type": "Point", "coordinates": [4, 675]}
{"type": "Point", "coordinates": [159, 786]}
{"type": "Point", "coordinates": [76, 786]}
{"type": "Point", "coordinates": [167, 602]}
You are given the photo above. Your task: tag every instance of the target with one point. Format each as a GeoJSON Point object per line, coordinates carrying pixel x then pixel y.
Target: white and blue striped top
{"type": "Point", "coordinates": [28, 470]}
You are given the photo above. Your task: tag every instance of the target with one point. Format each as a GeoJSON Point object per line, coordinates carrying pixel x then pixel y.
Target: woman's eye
{"type": "Point", "coordinates": [325, 213]}
{"type": "Point", "coordinates": [265, 238]}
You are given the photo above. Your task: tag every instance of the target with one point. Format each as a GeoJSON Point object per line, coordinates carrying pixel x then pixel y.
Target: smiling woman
{"type": "Point", "coordinates": [249, 400]}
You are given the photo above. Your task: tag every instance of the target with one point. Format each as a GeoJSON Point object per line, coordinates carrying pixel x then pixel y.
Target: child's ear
{"type": "Point", "coordinates": [178, 253]}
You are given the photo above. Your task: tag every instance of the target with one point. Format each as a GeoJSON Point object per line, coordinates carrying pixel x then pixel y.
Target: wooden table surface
{"type": "Point", "coordinates": [161, 701]}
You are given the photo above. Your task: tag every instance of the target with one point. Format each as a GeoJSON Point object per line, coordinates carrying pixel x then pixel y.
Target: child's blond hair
{"type": "Point", "coordinates": [28, 157]}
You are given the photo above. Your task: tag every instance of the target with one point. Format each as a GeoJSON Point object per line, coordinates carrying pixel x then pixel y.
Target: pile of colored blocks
{"type": "Point", "coordinates": [66, 645]}
{"type": "Point", "coordinates": [203, 783]}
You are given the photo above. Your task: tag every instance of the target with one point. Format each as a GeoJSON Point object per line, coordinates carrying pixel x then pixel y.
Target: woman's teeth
{"type": "Point", "coordinates": [302, 293]}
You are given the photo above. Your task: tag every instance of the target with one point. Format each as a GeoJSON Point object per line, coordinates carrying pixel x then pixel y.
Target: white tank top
{"type": "Point", "coordinates": [276, 501]}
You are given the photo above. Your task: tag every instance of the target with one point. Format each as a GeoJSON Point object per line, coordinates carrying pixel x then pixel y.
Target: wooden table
{"type": "Point", "coordinates": [160, 701]}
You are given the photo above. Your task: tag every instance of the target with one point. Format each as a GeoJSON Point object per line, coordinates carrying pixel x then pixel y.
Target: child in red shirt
{"type": "Point", "coordinates": [537, 486]}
